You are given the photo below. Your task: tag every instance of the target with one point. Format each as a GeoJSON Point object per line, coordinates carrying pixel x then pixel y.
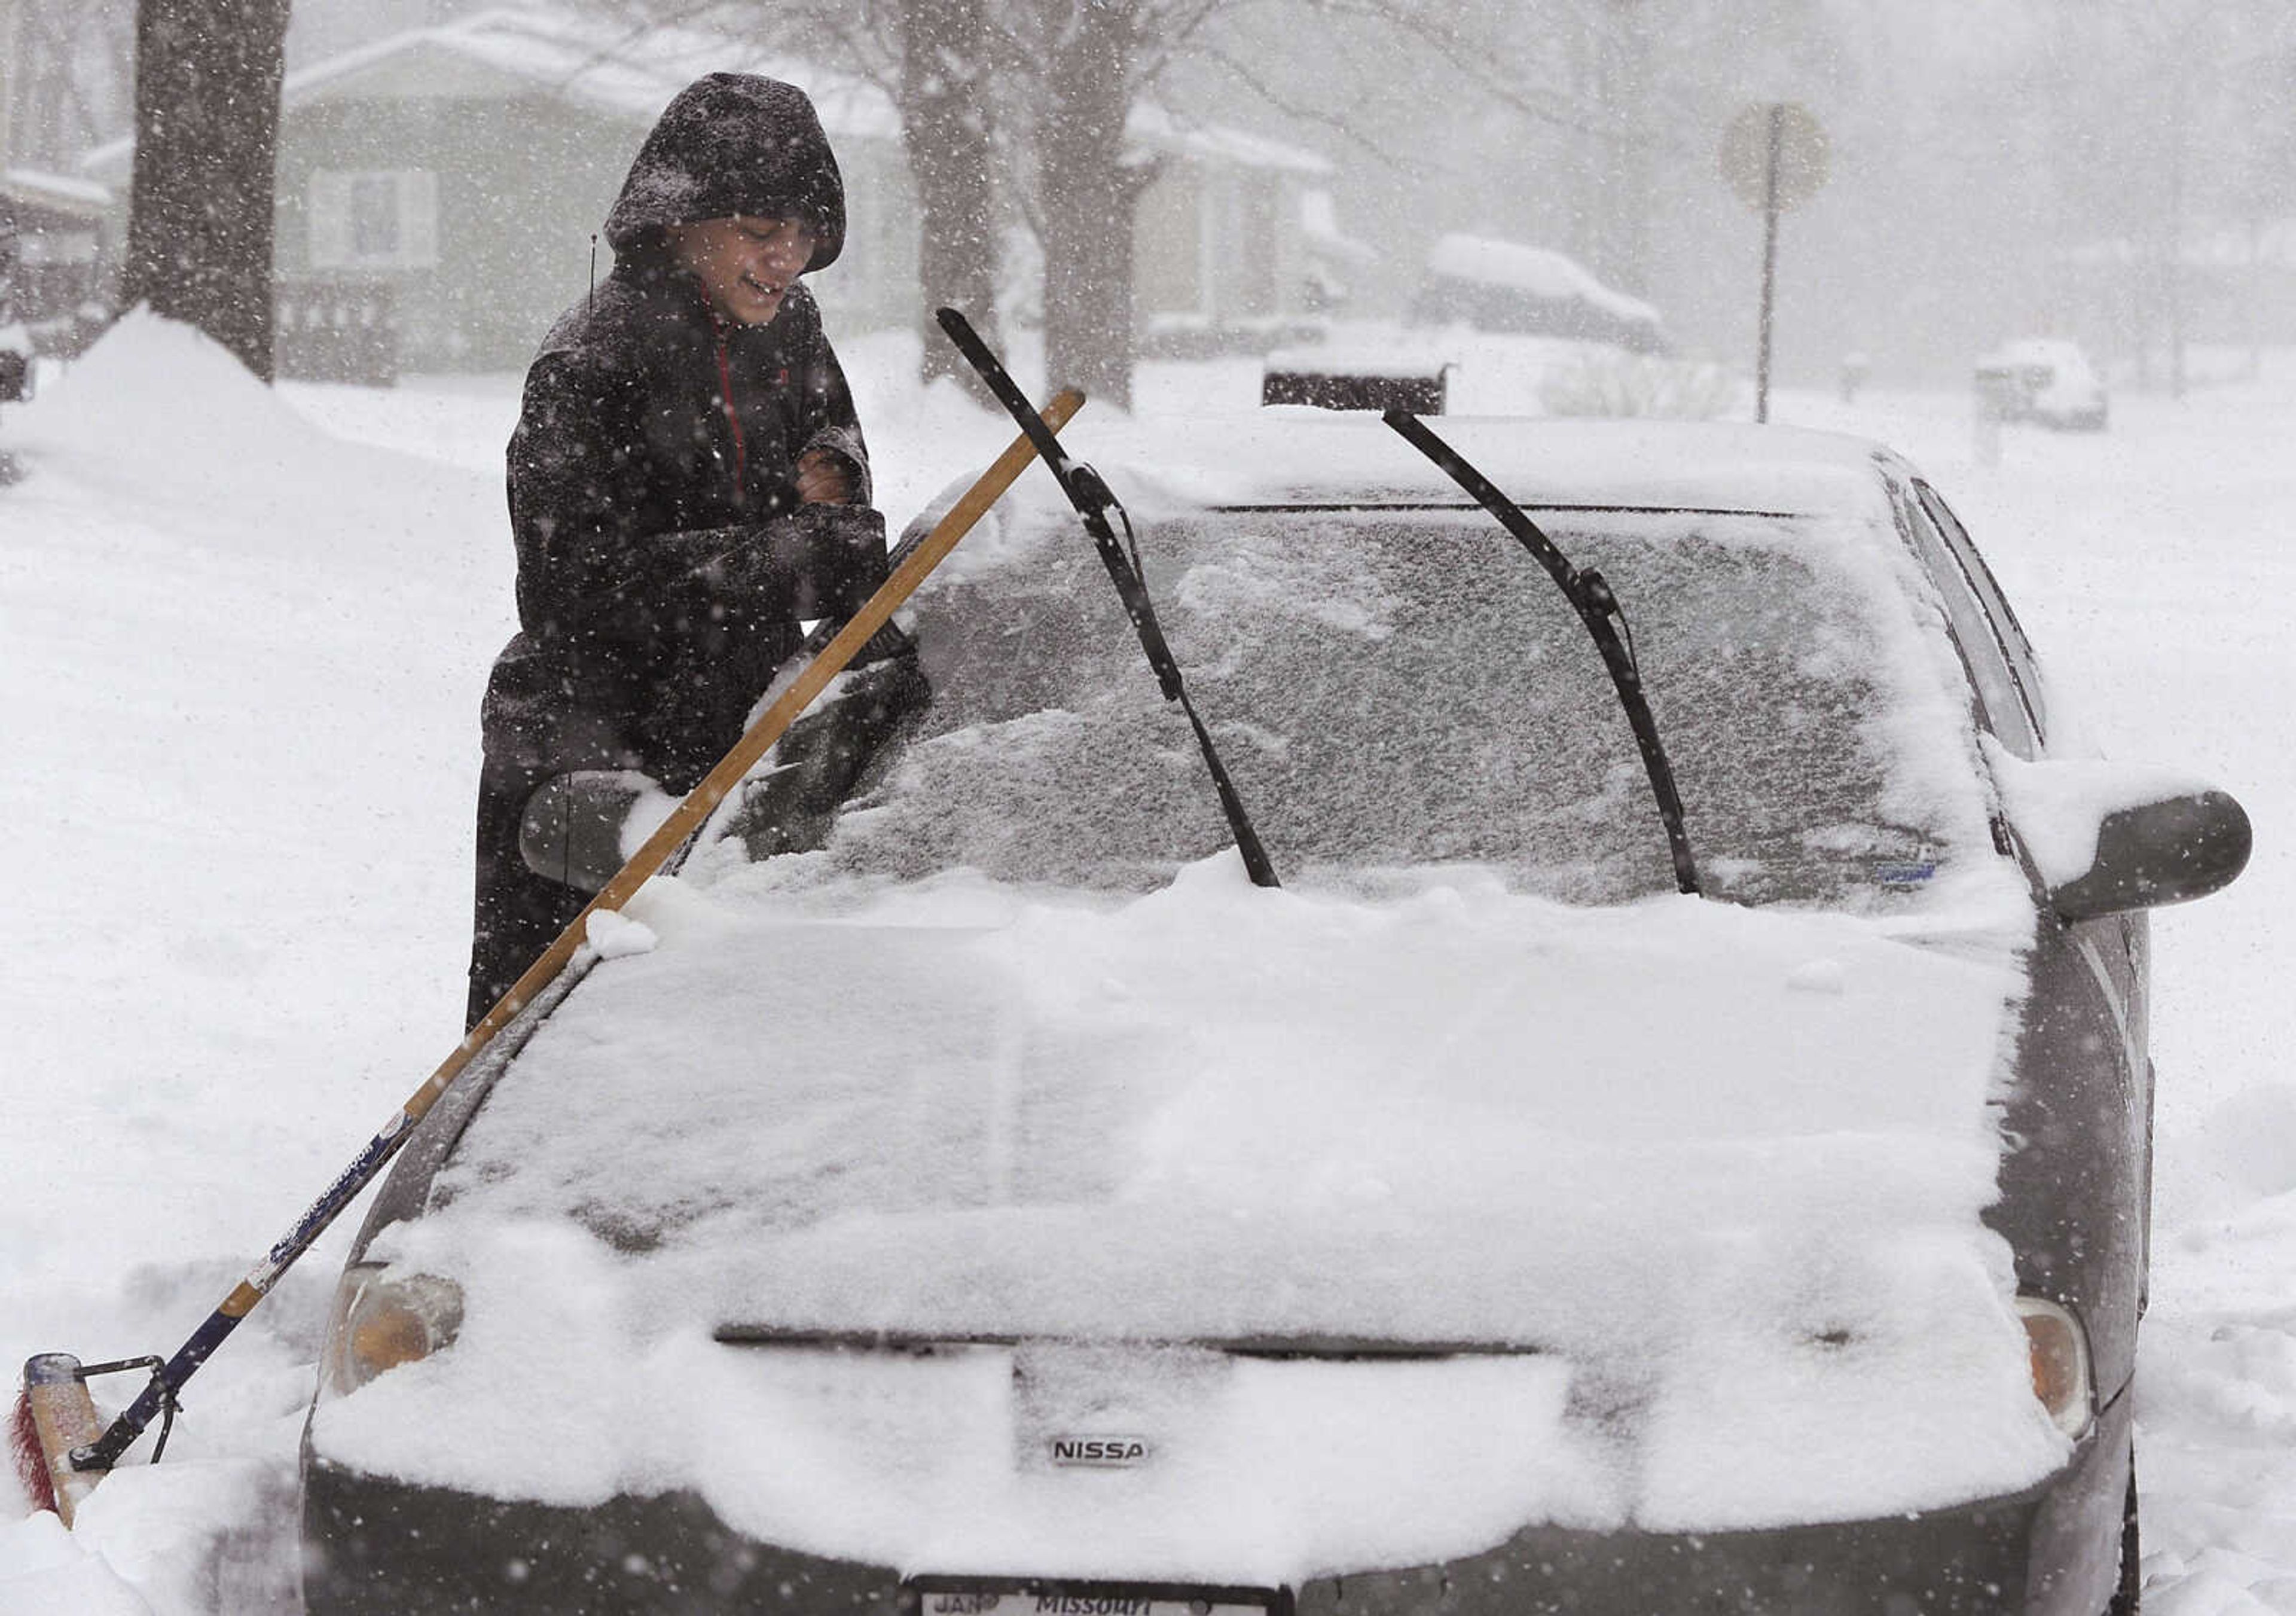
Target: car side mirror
{"type": "Point", "coordinates": [2108, 837]}
{"type": "Point", "coordinates": [2164, 852]}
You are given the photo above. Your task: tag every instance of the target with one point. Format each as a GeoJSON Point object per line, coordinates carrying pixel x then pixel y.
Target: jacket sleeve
{"type": "Point", "coordinates": [831, 422]}
{"type": "Point", "coordinates": [574, 486]}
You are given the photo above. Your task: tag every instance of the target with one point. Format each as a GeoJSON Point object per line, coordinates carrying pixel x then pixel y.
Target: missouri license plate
{"type": "Point", "coordinates": [991, 1596]}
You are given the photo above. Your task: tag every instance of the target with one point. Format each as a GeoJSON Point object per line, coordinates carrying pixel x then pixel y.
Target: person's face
{"type": "Point", "coordinates": [747, 264]}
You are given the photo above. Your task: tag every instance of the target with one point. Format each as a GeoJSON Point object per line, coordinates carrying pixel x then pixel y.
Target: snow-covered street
{"type": "Point", "coordinates": [245, 633]}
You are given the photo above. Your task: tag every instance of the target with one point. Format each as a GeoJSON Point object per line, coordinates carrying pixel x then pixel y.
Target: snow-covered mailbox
{"type": "Point", "coordinates": [1338, 380]}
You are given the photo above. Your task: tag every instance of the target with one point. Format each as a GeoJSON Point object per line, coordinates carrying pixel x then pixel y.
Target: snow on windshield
{"type": "Point", "coordinates": [1402, 688]}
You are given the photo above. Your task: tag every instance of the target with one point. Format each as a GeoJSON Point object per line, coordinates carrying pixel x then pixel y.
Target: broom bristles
{"type": "Point", "coordinates": [31, 1464]}
{"type": "Point", "coordinates": [54, 1416]}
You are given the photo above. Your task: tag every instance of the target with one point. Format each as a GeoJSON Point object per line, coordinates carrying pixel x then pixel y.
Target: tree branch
{"type": "Point", "coordinates": [1412, 166]}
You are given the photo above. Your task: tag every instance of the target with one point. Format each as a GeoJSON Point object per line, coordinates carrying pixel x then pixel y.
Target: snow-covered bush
{"type": "Point", "coordinates": [1610, 381]}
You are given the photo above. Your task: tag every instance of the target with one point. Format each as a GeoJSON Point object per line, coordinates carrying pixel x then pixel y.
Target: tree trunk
{"type": "Point", "coordinates": [1088, 198]}
{"type": "Point", "coordinates": [945, 129]}
{"type": "Point", "coordinates": [207, 125]}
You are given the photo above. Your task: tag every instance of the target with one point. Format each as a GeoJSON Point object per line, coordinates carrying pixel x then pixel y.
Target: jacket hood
{"type": "Point", "coordinates": [729, 144]}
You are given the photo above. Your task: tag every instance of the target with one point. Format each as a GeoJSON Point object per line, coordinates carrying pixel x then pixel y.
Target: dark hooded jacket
{"type": "Point", "coordinates": [663, 563]}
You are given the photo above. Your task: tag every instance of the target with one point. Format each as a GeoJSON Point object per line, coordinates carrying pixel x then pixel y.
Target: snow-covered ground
{"type": "Point", "coordinates": [244, 636]}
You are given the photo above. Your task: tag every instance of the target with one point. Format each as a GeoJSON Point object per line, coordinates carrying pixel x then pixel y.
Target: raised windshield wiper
{"type": "Point", "coordinates": [1597, 608]}
{"type": "Point", "coordinates": [1093, 501]}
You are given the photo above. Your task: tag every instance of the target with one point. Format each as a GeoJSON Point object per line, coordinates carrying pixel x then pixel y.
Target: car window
{"type": "Point", "coordinates": [1395, 689]}
{"type": "Point", "coordinates": [2016, 646]}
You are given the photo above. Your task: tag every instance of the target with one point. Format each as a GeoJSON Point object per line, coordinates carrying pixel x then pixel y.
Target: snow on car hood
{"type": "Point", "coordinates": [1713, 1175]}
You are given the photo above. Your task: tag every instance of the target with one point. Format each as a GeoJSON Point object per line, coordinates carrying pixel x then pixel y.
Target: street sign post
{"type": "Point", "coordinates": [1774, 155]}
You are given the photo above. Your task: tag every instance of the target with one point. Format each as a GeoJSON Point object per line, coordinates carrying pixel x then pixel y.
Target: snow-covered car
{"type": "Point", "coordinates": [2045, 379]}
{"type": "Point", "coordinates": [15, 340]}
{"type": "Point", "coordinates": [989, 1201]}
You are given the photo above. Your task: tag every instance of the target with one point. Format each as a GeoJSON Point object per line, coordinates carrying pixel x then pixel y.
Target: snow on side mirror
{"type": "Point", "coordinates": [576, 826]}
{"type": "Point", "coordinates": [2165, 852]}
{"type": "Point", "coordinates": [2108, 837]}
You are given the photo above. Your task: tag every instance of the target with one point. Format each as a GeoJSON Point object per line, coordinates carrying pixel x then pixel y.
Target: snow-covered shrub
{"type": "Point", "coordinates": [1610, 381]}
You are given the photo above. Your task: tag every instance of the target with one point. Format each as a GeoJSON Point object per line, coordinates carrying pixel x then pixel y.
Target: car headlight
{"type": "Point", "coordinates": [383, 1320]}
{"type": "Point", "coordinates": [2058, 1348]}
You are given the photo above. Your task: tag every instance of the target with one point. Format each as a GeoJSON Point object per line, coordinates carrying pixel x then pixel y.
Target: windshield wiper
{"type": "Point", "coordinates": [1598, 609]}
{"type": "Point", "coordinates": [1092, 502]}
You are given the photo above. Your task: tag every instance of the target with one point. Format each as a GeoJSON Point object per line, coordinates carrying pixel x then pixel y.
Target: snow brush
{"type": "Point", "coordinates": [61, 1448]}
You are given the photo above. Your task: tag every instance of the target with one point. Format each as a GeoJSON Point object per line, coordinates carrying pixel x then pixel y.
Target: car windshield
{"type": "Point", "coordinates": [1413, 1097]}
{"type": "Point", "coordinates": [1395, 689]}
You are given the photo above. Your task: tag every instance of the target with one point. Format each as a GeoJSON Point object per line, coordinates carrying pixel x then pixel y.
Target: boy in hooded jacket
{"type": "Point", "coordinates": [687, 481]}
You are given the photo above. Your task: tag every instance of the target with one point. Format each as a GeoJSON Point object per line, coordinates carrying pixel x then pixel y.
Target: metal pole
{"type": "Point", "coordinates": [11, 61]}
{"type": "Point", "coordinates": [1769, 259]}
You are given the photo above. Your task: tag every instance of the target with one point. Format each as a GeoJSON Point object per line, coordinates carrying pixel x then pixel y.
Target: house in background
{"type": "Point", "coordinates": [65, 246]}
{"type": "Point", "coordinates": [1236, 247]}
{"type": "Point", "coordinates": [439, 191]}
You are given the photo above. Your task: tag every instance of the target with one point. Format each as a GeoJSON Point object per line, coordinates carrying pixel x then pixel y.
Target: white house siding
{"type": "Point", "coordinates": [1169, 272]}
{"type": "Point", "coordinates": [874, 283]}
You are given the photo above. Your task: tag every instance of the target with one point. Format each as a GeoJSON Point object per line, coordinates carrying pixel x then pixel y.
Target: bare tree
{"type": "Point", "coordinates": [73, 77]}
{"type": "Point", "coordinates": [1085, 53]}
{"type": "Point", "coordinates": [945, 131]}
{"type": "Point", "coordinates": [207, 122]}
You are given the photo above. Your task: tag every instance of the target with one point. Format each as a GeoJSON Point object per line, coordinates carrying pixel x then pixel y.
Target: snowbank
{"type": "Point", "coordinates": [163, 423]}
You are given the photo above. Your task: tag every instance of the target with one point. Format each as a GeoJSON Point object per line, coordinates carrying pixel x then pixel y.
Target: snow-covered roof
{"type": "Point", "coordinates": [1157, 128]}
{"type": "Point", "coordinates": [56, 190]}
{"type": "Point", "coordinates": [1292, 455]}
{"type": "Point", "coordinates": [631, 73]}
{"type": "Point", "coordinates": [2038, 350]}
{"type": "Point", "coordinates": [622, 72]}
{"type": "Point", "coordinates": [1540, 271]}
{"type": "Point", "coordinates": [626, 71]}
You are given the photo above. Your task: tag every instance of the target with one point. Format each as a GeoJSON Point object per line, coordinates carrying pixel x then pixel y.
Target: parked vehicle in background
{"type": "Point", "coordinates": [2045, 380]}
{"type": "Point", "coordinates": [1514, 288]}
{"type": "Point", "coordinates": [976, 1197]}
{"type": "Point", "coordinates": [15, 341]}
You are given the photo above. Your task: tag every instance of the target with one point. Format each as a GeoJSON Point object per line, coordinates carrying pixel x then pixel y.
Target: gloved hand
{"type": "Point", "coordinates": [814, 561]}
{"type": "Point", "coordinates": [831, 556]}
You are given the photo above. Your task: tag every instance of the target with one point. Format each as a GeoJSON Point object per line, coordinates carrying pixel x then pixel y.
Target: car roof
{"type": "Point", "coordinates": [1300, 456]}
{"type": "Point", "coordinates": [2054, 350]}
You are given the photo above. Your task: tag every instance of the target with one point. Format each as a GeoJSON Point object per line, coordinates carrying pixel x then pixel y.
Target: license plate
{"type": "Point", "coordinates": [990, 1597]}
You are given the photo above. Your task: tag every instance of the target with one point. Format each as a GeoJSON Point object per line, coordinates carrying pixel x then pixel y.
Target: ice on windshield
{"type": "Point", "coordinates": [1402, 688]}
